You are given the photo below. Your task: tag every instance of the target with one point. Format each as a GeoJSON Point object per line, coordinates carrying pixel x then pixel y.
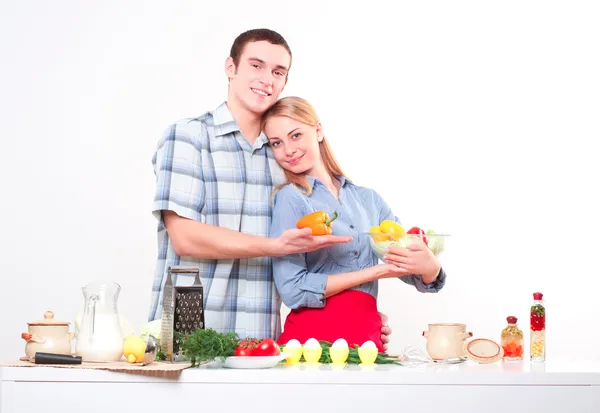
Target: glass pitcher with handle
{"type": "Point", "coordinates": [99, 338]}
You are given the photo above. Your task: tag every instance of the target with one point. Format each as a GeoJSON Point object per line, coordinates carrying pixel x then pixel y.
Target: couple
{"type": "Point", "coordinates": [230, 186]}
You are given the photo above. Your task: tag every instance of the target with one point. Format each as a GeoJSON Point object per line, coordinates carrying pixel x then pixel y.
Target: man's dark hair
{"type": "Point", "coordinates": [256, 35]}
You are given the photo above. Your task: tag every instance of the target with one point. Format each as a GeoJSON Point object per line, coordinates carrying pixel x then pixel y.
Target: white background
{"type": "Point", "coordinates": [478, 119]}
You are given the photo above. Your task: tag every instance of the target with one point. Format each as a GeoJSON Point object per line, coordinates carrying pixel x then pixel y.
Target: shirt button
{"type": "Point", "coordinates": [356, 253]}
{"type": "Point", "coordinates": [351, 226]}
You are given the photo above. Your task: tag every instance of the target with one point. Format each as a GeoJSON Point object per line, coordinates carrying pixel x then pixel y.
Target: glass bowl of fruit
{"type": "Point", "coordinates": [391, 234]}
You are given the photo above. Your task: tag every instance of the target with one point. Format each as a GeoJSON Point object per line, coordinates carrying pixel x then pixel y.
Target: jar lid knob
{"type": "Point", "coordinates": [511, 319]}
{"type": "Point", "coordinates": [48, 315]}
{"type": "Point", "coordinates": [537, 296]}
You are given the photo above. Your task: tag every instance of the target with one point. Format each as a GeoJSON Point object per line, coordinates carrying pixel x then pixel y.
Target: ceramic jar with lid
{"type": "Point", "coordinates": [48, 336]}
{"type": "Point", "coordinates": [445, 340]}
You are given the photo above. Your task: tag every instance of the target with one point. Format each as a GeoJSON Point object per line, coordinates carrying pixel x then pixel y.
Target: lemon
{"type": "Point", "coordinates": [134, 348]}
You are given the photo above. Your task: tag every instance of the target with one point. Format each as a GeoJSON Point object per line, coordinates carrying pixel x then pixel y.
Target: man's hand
{"type": "Point", "coordinates": [385, 330]}
{"type": "Point", "coordinates": [295, 241]}
{"type": "Point", "coordinates": [415, 259]}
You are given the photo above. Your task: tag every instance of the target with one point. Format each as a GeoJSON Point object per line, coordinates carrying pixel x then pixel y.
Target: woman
{"type": "Point", "coordinates": [332, 292]}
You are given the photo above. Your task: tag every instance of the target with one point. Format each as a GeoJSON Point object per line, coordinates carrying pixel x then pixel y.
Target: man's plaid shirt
{"type": "Point", "coordinates": [206, 171]}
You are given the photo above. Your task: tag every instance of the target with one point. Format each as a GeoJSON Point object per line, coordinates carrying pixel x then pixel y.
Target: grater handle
{"type": "Point", "coordinates": [180, 269]}
{"type": "Point", "coordinates": [166, 333]}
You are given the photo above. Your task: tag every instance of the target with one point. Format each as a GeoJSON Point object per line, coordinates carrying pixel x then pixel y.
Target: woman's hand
{"type": "Point", "coordinates": [386, 330]}
{"type": "Point", "coordinates": [415, 259]}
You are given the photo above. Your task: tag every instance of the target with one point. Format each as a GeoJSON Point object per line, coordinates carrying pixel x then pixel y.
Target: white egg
{"type": "Point", "coordinates": [312, 343]}
{"type": "Point", "coordinates": [340, 343]}
{"type": "Point", "coordinates": [293, 344]}
{"type": "Point", "coordinates": [369, 345]}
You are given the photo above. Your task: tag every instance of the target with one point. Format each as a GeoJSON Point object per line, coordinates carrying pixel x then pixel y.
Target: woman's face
{"type": "Point", "coordinates": [295, 144]}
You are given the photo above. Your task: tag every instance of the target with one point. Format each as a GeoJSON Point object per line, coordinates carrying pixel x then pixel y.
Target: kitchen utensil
{"type": "Point", "coordinates": [50, 358]}
{"type": "Point", "coordinates": [48, 335]}
{"type": "Point", "coordinates": [452, 360]}
{"type": "Point", "coordinates": [183, 309]}
{"type": "Point", "coordinates": [99, 338]}
{"type": "Point", "coordinates": [445, 340]}
{"type": "Point", "coordinates": [151, 350]}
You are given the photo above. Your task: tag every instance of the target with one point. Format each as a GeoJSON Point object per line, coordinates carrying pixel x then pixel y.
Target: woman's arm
{"type": "Point", "coordinates": [340, 282]}
{"type": "Point", "coordinates": [297, 286]}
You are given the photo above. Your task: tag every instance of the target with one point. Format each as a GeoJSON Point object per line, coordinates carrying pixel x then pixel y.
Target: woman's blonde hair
{"type": "Point", "coordinates": [300, 110]}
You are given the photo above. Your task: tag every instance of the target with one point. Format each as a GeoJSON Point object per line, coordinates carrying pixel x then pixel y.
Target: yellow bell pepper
{"type": "Point", "coordinates": [388, 227]}
{"type": "Point", "coordinates": [377, 230]}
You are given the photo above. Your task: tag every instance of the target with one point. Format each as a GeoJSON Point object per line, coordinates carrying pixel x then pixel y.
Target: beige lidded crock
{"type": "Point", "coordinates": [48, 336]}
{"type": "Point", "coordinates": [445, 340]}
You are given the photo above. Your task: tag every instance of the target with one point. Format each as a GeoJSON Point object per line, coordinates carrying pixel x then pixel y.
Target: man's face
{"type": "Point", "coordinates": [258, 80]}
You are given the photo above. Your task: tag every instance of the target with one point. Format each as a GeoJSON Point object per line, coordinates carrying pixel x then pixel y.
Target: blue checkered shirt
{"type": "Point", "coordinates": [206, 171]}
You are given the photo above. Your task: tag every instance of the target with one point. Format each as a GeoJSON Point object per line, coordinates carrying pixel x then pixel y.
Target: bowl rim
{"type": "Point", "coordinates": [395, 234]}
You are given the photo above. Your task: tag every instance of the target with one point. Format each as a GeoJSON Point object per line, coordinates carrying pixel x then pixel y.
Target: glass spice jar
{"type": "Point", "coordinates": [538, 329]}
{"type": "Point", "coordinates": [512, 340]}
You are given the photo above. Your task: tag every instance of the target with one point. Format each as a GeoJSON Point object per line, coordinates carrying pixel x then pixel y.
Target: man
{"type": "Point", "coordinates": [215, 176]}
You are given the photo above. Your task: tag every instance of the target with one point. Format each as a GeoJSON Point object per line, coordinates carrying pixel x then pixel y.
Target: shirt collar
{"type": "Point", "coordinates": [312, 180]}
{"type": "Point", "coordinates": [224, 123]}
{"type": "Point", "coordinates": [223, 120]}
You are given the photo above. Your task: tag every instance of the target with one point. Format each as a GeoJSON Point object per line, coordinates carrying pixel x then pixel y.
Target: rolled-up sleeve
{"type": "Point", "coordinates": [385, 212]}
{"type": "Point", "coordinates": [297, 286]}
{"type": "Point", "coordinates": [432, 287]}
{"type": "Point", "coordinates": [180, 186]}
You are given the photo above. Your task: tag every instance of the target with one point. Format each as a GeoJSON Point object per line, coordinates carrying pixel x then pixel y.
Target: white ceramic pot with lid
{"type": "Point", "coordinates": [445, 340]}
{"type": "Point", "coordinates": [48, 336]}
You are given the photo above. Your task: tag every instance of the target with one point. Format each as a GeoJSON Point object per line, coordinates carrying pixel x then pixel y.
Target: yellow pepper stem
{"type": "Point", "coordinates": [330, 220]}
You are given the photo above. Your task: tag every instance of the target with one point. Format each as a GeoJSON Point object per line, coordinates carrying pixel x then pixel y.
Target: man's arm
{"type": "Point", "coordinates": [195, 239]}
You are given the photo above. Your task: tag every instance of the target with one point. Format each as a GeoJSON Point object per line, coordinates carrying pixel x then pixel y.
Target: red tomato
{"type": "Point", "coordinates": [249, 342]}
{"type": "Point", "coordinates": [243, 351]}
{"type": "Point", "coordinates": [246, 347]}
{"type": "Point", "coordinates": [267, 347]}
{"type": "Point", "coordinates": [420, 232]}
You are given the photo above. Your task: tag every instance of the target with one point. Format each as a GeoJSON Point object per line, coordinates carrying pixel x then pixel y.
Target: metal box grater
{"type": "Point", "coordinates": [183, 310]}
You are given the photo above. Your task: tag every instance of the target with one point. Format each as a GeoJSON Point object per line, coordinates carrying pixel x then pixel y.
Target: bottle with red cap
{"type": "Point", "coordinates": [538, 329]}
{"type": "Point", "coordinates": [512, 340]}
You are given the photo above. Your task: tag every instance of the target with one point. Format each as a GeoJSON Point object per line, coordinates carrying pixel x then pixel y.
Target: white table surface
{"type": "Point", "coordinates": [553, 386]}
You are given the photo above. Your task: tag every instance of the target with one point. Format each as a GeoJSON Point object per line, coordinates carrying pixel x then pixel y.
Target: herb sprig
{"type": "Point", "coordinates": [208, 345]}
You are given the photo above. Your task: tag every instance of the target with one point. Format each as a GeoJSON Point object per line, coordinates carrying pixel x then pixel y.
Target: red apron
{"type": "Point", "coordinates": [351, 315]}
